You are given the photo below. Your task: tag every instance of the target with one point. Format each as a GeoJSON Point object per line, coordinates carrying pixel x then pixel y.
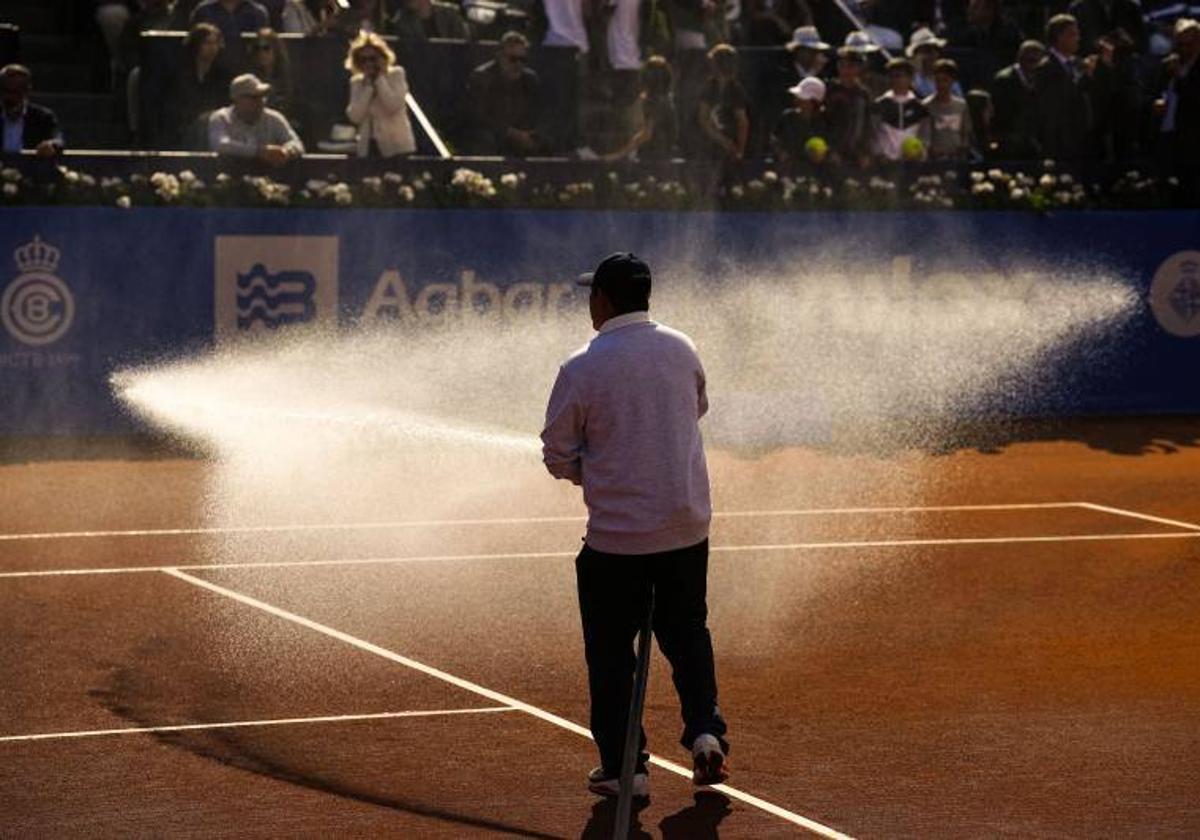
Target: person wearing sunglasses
{"type": "Point", "coordinates": [378, 99]}
{"type": "Point", "coordinates": [506, 100]}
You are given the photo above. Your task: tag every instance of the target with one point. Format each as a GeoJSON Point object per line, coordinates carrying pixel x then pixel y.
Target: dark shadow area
{"type": "Point", "coordinates": [1117, 435]}
{"type": "Point", "coordinates": [231, 748]}
{"type": "Point", "coordinates": [699, 821]}
{"type": "Point", "coordinates": [603, 820]}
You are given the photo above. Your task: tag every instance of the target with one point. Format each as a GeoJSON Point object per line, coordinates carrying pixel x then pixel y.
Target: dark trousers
{"type": "Point", "coordinates": [614, 594]}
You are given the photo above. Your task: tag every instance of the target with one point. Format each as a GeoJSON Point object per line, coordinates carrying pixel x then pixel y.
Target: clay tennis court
{"type": "Point", "coordinates": [1008, 646]}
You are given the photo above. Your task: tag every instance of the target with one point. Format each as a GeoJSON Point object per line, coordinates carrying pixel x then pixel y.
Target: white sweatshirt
{"type": "Point", "coordinates": [623, 422]}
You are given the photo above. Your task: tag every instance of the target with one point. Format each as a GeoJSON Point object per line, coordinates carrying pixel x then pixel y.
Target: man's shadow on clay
{"type": "Point", "coordinates": [698, 821]}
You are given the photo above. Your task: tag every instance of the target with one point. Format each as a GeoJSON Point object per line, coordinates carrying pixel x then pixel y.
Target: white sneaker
{"type": "Point", "coordinates": [709, 764]}
{"type": "Point", "coordinates": [602, 783]}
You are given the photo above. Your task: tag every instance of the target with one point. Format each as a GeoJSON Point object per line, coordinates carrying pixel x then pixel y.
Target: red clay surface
{"type": "Point", "coordinates": [913, 689]}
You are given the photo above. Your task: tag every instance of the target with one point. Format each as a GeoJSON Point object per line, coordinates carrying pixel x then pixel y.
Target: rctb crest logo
{"type": "Point", "coordinates": [1175, 294]}
{"type": "Point", "coordinates": [265, 282]}
{"type": "Point", "coordinates": [37, 308]}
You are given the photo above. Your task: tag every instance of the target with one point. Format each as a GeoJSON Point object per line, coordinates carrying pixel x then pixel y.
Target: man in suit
{"type": "Point", "coordinates": [1015, 104]}
{"type": "Point", "coordinates": [1061, 84]}
{"type": "Point", "coordinates": [26, 126]}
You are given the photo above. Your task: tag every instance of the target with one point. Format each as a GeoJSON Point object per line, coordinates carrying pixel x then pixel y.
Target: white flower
{"type": "Point", "coordinates": [124, 202]}
{"type": "Point", "coordinates": [10, 175]}
{"type": "Point", "coordinates": [1173, 181]}
{"type": "Point", "coordinates": [343, 198]}
{"type": "Point", "coordinates": [1066, 179]}
{"type": "Point", "coordinates": [770, 176]}
{"type": "Point", "coordinates": [187, 176]}
{"type": "Point", "coordinates": [756, 185]}
{"type": "Point", "coordinates": [373, 184]}
{"type": "Point", "coordinates": [1133, 175]}
{"type": "Point", "coordinates": [948, 203]}
{"type": "Point", "coordinates": [10, 189]}
{"type": "Point", "coordinates": [995, 174]}
{"type": "Point", "coordinates": [1046, 182]}
{"type": "Point", "coordinates": [1017, 194]}
{"type": "Point", "coordinates": [827, 192]}
{"type": "Point", "coordinates": [977, 177]}
{"type": "Point", "coordinates": [985, 188]}
{"type": "Point", "coordinates": [1062, 197]}
{"type": "Point", "coordinates": [1048, 164]}
{"type": "Point", "coordinates": [510, 180]}
{"type": "Point", "coordinates": [407, 194]}
{"type": "Point", "coordinates": [314, 185]}
{"type": "Point", "coordinates": [72, 177]}
{"type": "Point", "coordinates": [736, 191]}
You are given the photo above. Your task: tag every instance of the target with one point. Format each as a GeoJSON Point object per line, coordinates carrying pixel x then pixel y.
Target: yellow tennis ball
{"type": "Point", "coordinates": [816, 148]}
{"type": "Point", "coordinates": [912, 148]}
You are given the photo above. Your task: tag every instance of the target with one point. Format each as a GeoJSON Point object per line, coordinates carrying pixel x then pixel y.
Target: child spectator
{"type": "Point", "coordinates": [949, 118]}
{"type": "Point", "coordinates": [722, 114]}
{"type": "Point", "coordinates": [801, 123]}
{"type": "Point", "coordinates": [848, 111]}
{"type": "Point", "coordinates": [901, 121]}
{"type": "Point", "coordinates": [924, 50]}
{"type": "Point", "coordinates": [657, 137]}
{"type": "Point", "coordinates": [378, 99]}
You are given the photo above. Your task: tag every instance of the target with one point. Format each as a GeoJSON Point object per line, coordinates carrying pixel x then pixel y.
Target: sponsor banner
{"type": "Point", "coordinates": [88, 290]}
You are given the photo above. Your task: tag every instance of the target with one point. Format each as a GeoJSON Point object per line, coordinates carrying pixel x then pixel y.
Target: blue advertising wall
{"type": "Point", "coordinates": [89, 290]}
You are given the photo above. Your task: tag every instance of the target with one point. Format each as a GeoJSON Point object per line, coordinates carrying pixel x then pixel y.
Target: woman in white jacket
{"type": "Point", "coordinates": [378, 93]}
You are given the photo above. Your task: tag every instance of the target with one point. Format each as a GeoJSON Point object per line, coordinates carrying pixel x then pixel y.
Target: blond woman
{"type": "Point", "coordinates": [378, 93]}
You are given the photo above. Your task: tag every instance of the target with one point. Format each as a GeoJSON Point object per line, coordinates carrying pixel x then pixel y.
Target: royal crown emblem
{"type": "Point", "coordinates": [37, 257]}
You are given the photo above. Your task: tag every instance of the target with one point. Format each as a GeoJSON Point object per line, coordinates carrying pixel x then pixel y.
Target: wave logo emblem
{"type": "Point", "coordinates": [37, 307]}
{"type": "Point", "coordinates": [1175, 294]}
{"type": "Point", "coordinates": [264, 283]}
{"type": "Point", "coordinates": [285, 297]}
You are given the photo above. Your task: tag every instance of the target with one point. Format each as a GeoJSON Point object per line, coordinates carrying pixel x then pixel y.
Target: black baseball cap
{"type": "Point", "coordinates": [616, 270]}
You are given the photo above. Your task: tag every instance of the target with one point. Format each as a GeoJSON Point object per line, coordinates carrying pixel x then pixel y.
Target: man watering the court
{"type": "Point", "coordinates": [623, 422]}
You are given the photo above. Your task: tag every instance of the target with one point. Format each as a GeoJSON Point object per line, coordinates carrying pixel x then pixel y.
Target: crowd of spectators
{"type": "Point", "coordinates": [858, 83]}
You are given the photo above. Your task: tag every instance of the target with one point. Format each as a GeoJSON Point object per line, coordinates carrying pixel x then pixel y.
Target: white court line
{"type": "Point", "coordinates": [559, 555]}
{"type": "Point", "coordinates": [523, 520]}
{"type": "Point", "coordinates": [495, 696]}
{"type": "Point", "coordinates": [188, 727]}
{"type": "Point", "coordinates": [1147, 517]}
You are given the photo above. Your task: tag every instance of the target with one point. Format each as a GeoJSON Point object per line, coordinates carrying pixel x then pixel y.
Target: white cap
{"type": "Point", "coordinates": [810, 88]}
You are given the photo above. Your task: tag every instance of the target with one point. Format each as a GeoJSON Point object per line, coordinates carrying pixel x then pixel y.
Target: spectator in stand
{"type": "Point", "coordinates": [308, 17]}
{"type": "Point", "coordinates": [1179, 109]}
{"type": "Point", "coordinates": [505, 97]}
{"type": "Point", "coordinates": [864, 45]}
{"type": "Point", "coordinates": [1100, 17]}
{"type": "Point", "coordinates": [232, 17]}
{"type": "Point", "coordinates": [658, 135]}
{"type": "Point", "coordinates": [983, 142]}
{"type": "Point", "coordinates": [1116, 99]}
{"type": "Point", "coordinates": [801, 123]}
{"type": "Point", "coordinates": [949, 118]}
{"type": "Point", "coordinates": [990, 31]}
{"type": "Point", "coordinates": [722, 114]}
{"type": "Point", "coordinates": [1061, 84]}
{"type": "Point", "coordinates": [924, 50]}
{"type": "Point", "coordinates": [201, 86]}
{"type": "Point", "coordinates": [249, 130]}
{"type": "Point", "coordinates": [848, 111]}
{"type": "Point", "coordinates": [25, 125]}
{"type": "Point", "coordinates": [1014, 100]}
{"type": "Point", "coordinates": [899, 116]}
{"type": "Point", "coordinates": [768, 23]}
{"type": "Point", "coordinates": [378, 99]}
{"type": "Point", "coordinates": [420, 20]}
{"type": "Point", "coordinates": [147, 15]}
{"type": "Point", "coordinates": [269, 61]}
{"type": "Point", "coordinates": [807, 55]}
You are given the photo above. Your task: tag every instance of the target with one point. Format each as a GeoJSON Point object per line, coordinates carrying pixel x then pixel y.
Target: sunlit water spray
{"type": "Point", "coordinates": [402, 423]}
